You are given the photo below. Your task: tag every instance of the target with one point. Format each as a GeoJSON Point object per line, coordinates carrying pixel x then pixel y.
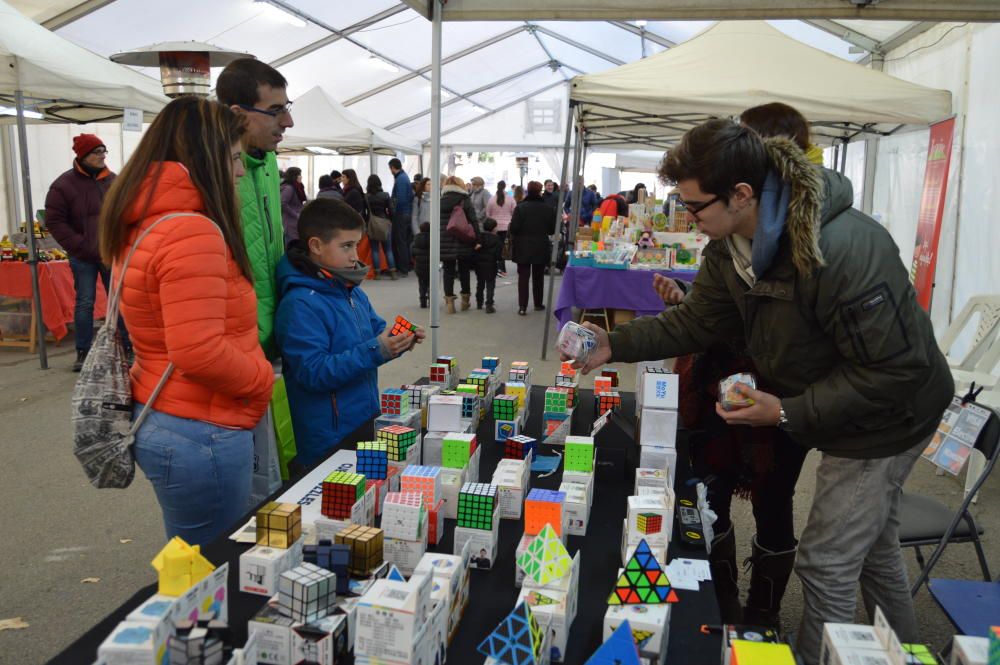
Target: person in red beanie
{"type": "Point", "coordinates": [72, 207]}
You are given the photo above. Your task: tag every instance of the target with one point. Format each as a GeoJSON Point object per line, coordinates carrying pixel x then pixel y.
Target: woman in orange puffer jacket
{"type": "Point", "coordinates": [188, 301]}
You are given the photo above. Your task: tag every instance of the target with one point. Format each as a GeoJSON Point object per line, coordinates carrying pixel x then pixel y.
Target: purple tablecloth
{"type": "Point", "coordinates": [598, 288]}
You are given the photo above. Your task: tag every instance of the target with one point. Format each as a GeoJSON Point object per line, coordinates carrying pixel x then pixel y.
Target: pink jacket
{"type": "Point", "coordinates": [501, 213]}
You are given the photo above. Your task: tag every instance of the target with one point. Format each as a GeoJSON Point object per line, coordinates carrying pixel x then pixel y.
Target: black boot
{"type": "Point", "coordinates": [722, 562]}
{"type": "Point", "coordinates": [80, 357]}
{"type": "Point", "coordinates": [768, 580]}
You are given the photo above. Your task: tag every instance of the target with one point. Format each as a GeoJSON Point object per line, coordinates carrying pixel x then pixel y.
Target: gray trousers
{"type": "Point", "coordinates": [853, 535]}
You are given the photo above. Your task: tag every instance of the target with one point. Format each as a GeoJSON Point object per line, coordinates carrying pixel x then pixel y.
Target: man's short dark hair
{"type": "Point", "coordinates": [238, 82]}
{"type": "Point", "coordinates": [718, 154]}
{"type": "Point", "coordinates": [489, 224]}
{"type": "Point", "coordinates": [394, 163]}
{"type": "Point", "coordinates": [335, 174]}
{"type": "Point", "coordinates": [323, 218]}
{"type": "Point", "coordinates": [777, 119]}
{"type": "Point", "coordinates": [325, 181]}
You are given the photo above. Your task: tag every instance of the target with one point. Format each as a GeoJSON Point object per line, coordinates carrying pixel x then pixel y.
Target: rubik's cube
{"type": "Point", "coordinates": [477, 504]}
{"type": "Point", "coordinates": [648, 523]}
{"type": "Point", "coordinates": [490, 363]}
{"type": "Point", "coordinates": [465, 388]}
{"type": "Point", "coordinates": [402, 327]}
{"type": "Point", "coordinates": [373, 459]}
{"type": "Point", "coordinates": [335, 558]}
{"type": "Point", "coordinates": [456, 449]}
{"type": "Point", "coordinates": [398, 440]}
{"type": "Point", "coordinates": [423, 479]}
{"type": "Point", "coordinates": [402, 515]}
{"type": "Point", "coordinates": [543, 507]}
{"type": "Point", "coordinates": [556, 400]}
{"type": "Point", "coordinates": [565, 380]}
{"type": "Point", "coordinates": [416, 396]}
{"type": "Point", "coordinates": [602, 384]}
{"type": "Point", "coordinates": [450, 361]}
{"type": "Point", "coordinates": [470, 405]}
{"type": "Point", "coordinates": [307, 592]}
{"type": "Point", "coordinates": [519, 389]}
{"type": "Point", "coordinates": [609, 401]}
{"type": "Point", "coordinates": [612, 374]}
{"type": "Point", "coordinates": [341, 490]}
{"type": "Point", "coordinates": [193, 644]}
{"type": "Point", "coordinates": [395, 402]}
{"type": "Point", "coordinates": [366, 547]}
{"type": "Point", "coordinates": [505, 407]}
{"type": "Point", "coordinates": [571, 390]}
{"type": "Point", "coordinates": [480, 381]}
{"type": "Point", "coordinates": [579, 454]}
{"type": "Point", "coordinates": [279, 525]}
{"type": "Point", "coordinates": [518, 374]}
{"type": "Point", "coordinates": [440, 373]}
{"type": "Point", "coordinates": [519, 447]}
{"type": "Point", "coordinates": [566, 368]}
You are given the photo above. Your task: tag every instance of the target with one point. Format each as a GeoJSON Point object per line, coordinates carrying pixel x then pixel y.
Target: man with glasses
{"type": "Point", "coordinates": [816, 293]}
{"type": "Point", "coordinates": [72, 208]}
{"type": "Point", "coordinates": [257, 92]}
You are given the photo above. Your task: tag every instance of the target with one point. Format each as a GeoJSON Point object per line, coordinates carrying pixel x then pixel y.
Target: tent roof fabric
{"type": "Point", "coordinates": [736, 65]}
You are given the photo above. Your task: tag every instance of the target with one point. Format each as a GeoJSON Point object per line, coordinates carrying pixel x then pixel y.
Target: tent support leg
{"type": "Point", "coordinates": [843, 158]}
{"type": "Point", "coordinates": [29, 216]}
{"type": "Point", "coordinates": [435, 217]}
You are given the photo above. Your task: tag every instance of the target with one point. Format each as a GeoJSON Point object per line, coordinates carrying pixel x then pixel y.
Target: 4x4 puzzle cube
{"type": "Point", "coordinates": [556, 400]}
{"type": "Point", "coordinates": [402, 515]}
{"type": "Point", "coordinates": [395, 402]}
{"type": "Point", "coordinates": [457, 449]}
{"type": "Point", "coordinates": [307, 592]}
{"type": "Point", "coordinates": [477, 504]}
{"type": "Point", "coordinates": [373, 459]}
{"type": "Point", "coordinates": [398, 440]}
{"type": "Point", "coordinates": [423, 479]}
{"type": "Point", "coordinates": [366, 547]}
{"type": "Point", "coordinates": [543, 507]}
{"type": "Point", "coordinates": [402, 327]}
{"type": "Point", "coordinates": [341, 490]}
{"type": "Point", "coordinates": [579, 454]}
{"type": "Point", "coordinates": [519, 447]}
{"type": "Point", "coordinates": [279, 525]}
{"type": "Point", "coordinates": [505, 407]}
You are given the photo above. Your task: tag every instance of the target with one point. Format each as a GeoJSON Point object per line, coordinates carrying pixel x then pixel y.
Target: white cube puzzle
{"type": "Point", "coordinates": [403, 515]}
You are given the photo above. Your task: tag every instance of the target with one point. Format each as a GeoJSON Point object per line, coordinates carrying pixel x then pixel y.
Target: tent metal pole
{"type": "Point", "coordinates": [371, 160]}
{"type": "Point", "coordinates": [583, 182]}
{"type": "Point", "coordinates": [435, 217]}
{"type": "Point", "coordinates": [29, 216]}
{"type": "Point", "coordinates": [574, 214]}
{"type": "Point", "coordinates": [555, 239]}
{"type": "Point", "coordinates": [8, 137]}
{"type": "Point", "coordinates": [843, 157]}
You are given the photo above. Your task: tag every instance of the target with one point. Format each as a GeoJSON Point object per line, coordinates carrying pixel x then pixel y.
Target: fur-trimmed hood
{"type": "Point", "coordinates": [454, 189]}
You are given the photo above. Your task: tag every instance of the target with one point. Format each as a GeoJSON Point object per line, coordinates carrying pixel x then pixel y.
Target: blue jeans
{"type": "Point", "coordinates": [387, 246]}
{"type": "Point", "coordinates": [201, 473]}
{"type": "Point", "coordinates": [85, 274]}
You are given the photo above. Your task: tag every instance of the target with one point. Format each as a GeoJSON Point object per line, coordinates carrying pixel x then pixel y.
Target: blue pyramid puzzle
{"type": "Point", "coordinates": [618, 650]}
{"type": "Point", "coordinates": [395, 575]}
{"type": "Point", "coordinates": [517, 640]}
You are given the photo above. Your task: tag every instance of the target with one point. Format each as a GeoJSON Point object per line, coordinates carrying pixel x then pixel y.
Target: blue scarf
{"type": "Point", "coordinates": [772, 211]}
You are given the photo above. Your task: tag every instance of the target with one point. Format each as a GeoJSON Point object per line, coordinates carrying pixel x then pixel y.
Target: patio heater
{"type": "Point", "coordinates": [185, 67]}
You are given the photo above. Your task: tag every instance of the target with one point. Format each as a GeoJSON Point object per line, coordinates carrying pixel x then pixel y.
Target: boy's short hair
{"type": "Point", "coordinates": [238, 82]}
{"type": "Point", "coordinates": [323, 218]}
{"type": "Point", "coordinates": [425, 227]}
{"type": "Point", "coordinates": [718, 154]}
{"type": "Point", "coordinates": [489, 224]}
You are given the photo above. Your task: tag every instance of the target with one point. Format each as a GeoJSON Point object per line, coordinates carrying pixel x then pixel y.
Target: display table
{"type": "Point", "coordinates": [492, 591]}
{"type": "Point", "coordinates": [57, 293]}
{"type": "Point", "coordinates": [599, 288]}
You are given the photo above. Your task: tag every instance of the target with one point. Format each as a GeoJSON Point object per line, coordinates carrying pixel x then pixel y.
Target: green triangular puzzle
{"type": "Point", "coordinates": [546, 559]}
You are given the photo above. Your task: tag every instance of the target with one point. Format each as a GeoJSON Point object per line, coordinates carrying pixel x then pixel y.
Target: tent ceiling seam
{"type": "Point", "coordinates": [572, 42]}
{"type": "Point", "coordinates": [645, 33]}
{"type": "Point", "coordinates": [544, 48]}
{"type": "Point", "coordinates": [335, 37]}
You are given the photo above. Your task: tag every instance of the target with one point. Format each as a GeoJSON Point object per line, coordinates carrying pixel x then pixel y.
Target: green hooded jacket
{"type": "Point", "coordinates": [260, 210]}
{"type": "Point", "coordinates": [833, 326]}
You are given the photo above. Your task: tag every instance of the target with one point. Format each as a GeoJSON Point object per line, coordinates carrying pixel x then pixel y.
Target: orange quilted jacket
{"type": "Point", "coordinates": [185, 301]}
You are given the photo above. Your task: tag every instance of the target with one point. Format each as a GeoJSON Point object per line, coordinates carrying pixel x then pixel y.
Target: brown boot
{"type": "Point", "coordinates": [768, 580]}
{"type": "Point", "coordinates": [465, 301]}
{"type": "Point", "coordinates": [722, 562]}
{"type": "Point", "coordinates": [449, 304]}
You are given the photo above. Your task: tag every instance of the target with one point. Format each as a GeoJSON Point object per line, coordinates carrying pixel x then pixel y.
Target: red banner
{"type": "Point", "coordinates": [931, 210]}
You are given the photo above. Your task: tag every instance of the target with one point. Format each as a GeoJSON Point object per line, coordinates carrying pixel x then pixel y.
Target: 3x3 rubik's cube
{"type": "Point", "coordinates": [519, 447]}
{"type": "Point", "coordinates": [373, 459]}
{"type": "Point", "coordinates": [477, 505]}
{"type": "Point", "coordinates": [457, 449]}
{"type": "Point", "coordinates": [556, 400]}
{"type": "Point", "coordinates": [366, 544]}
{"type": "Point", "coordinates": [395, 402]}
{"type": "Point", "coordinates": [519, 389]}
{"type": "Point", "coordinates": [279, 525]}
{"type": "Point", "coordinates": [543, 507]}
{"type": "Point", "coordinates": [341, 490]}
{"type": "Point", "coordinates": [491, 363]}
{"type": "Point", "coordinates": [578, 454]}
{"type": "Point", "coordinates": [481, 380]}
{"type": "Point", "coordinates": [403, 515]}
{"type": "Point", "coordinates": [398, 440]}
{"type": "Point", "coordinates": [402, 327]}
{"type": "Point", "coordinates": [471, 402]}
{"type": "Point", "coordinates": [611, 373]}
{"type": "Point", "coordinates": [423, 479]}
{"type": "Point", "coordinates": [519, 372]}
{"type": "Point", "coordinates": [505, 407]}
{"type": "Point", "coordinates": [440, 373]}
{"type": "Point", "coordinates": [609, 401]}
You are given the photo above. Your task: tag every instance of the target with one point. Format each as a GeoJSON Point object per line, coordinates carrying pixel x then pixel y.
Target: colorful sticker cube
{"type": "Point", "coordinates": [579, 454]}
{"type": "Point", "coordinates": [519, 447]}
{"type": "Point", "coordinates": [490, 362]}
{"type": "Point", "coordinates": [341, 490]}
{"type": "Point", "coordinates": [307, 592]}
{"type": "Point", "coordinates": [423, 479]}
{"type": "Point", "coordinates": [518, 389]}
{"type": "Point", "coordinates": [505, 407]}
{"type": "Point", "coordinates": [471, 404]}
{"type": "Point", "coordinates": [556, 400]}
{"type": "Point", "coordinates": [543, 507]}
{"type": "Point", "coordinates": [279, 525]}
{"type": "Point", "coordinates": [602, 384]}
{"type": "Point", "coordinates": [517, 374]}
{"type": "Point", "coordinates": [648, 523]}
{"type": "Point", "coordinates": [612, 374]}
{"type": "Point", "coordinates": [609, 401]}
{"type": "Point", "coordinates": [395, 402]}
{"type": "Point", "coordinates": [403, 515]}
{"type": "Point", "coordinates": [373, 459]}
{"type": "Point", "coordinates": [565, 379]}
{"type": "Point", "coordinates": [398, 440]}
{"type": "Point", "coordinates": [566, 368]}
{"type": "Point", "coordinates": [402, 327]}
{"type": "Point", "coordinates": [477, 504]}
{"type": "Point", "coordinates": [456, 449]}
{"type": "Point", "coordinates": [440, 373]}
{"type": "Point", "coordinates": [450, 361]}
{"type": "Point", "coordinates": [366, 547]}
{"type": "Point", "coordinates": [480, 381]}
{"type": "Point", "coordinates": [416, 395]}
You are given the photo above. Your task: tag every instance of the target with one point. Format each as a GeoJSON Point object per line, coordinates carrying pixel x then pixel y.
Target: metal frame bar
{"type": "Point", "coordinates": [572, 42]}
{"type": "Point", "coordinates": [545, 48]}
{"type": "Point", "coordinates": [502, 108]}
{"type": "Point", "coordinates": [74, 13]}
{"type": "Point", "coordinates": [435, 175]}
{"type": "Point", "coordinates": [852, 37]}
{"type": "Point", "coordinates": [336, 37]}
{"type": "Point", "coordinates": [645, 33]}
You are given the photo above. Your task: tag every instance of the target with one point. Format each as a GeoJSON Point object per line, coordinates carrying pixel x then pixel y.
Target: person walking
{"type": "Point", "coordinates": [188, 299]}
{"type": "Point", "coordinates": [421, 205]}
{"type": "Point", "coordinates": [551, 193]}
{"type": "Point", "coordinates": [458, 257]}
{"type": "Point", "coordinates": [72, 208]}
{"type": "Point", "coordinates": [421, 253]}
{"type": "Point", "coordinates": [293, 197]}
{"type": "Point", "coordinates": [531, 228]}
{"type": "Point", "coordinates": [402, 206]}
{"type": "Point", "coordinates": [380, 206]}
{"type": "Point", "coordinates": [487, 254]}
{"type": "Point", "coordinates": [480, 198]}
{"type": "Point", "coordinates": [329, 188]}
{"type": "Point", "coordinates": [501, 207]}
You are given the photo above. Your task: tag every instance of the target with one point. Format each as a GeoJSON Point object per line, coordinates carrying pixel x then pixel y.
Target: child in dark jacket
{"type": "Point", "coordinates": [421, 253]}
{"type": "Point", "coordinates": [487, 257]}
{"type": "Point", "coordinates": [331, 340]}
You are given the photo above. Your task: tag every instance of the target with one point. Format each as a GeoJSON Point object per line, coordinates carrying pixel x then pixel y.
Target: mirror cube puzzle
{"type": "Point", "coordinates": [457, 449]}
{"type": "Point", "coordinates": [477, 505]}
{"type": "Point", "coordinates": [402, 515]}
{"type": "Point", "coordinates": [194, 644]}
{"type": "Point", "coordinates": [395, 401]}
{"type": "Point", "coordinates": [341, 490]}
{"type": "Point", "coordinates": [398, 440]}
{"type": "Point", "coordinates": [307, 592]}
{"type": "Point", "coordinates": [519, 447]}
{"type": "Point", "coordinates": [579, 454]}
{"type": "Point", "coordinates": [402, 327]}
{"type": "Point", "coordinates": [556, 400]}
{"type": "Point", "coordinates": [279, 524]}
{"type": "Point", "coordinates": [372, 459]}
{"type": "Point", "coordinates": [335, 558]}
{"type": "Point", "coordinates": [366, 547]}
{"type": "Point", "coordinates": [423, 479]}
{"type": "Point", "coordinates": [543, 507]}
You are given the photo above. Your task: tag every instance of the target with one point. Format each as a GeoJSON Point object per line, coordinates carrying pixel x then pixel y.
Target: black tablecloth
{"type": "Point", "coordinates": [492, 593]}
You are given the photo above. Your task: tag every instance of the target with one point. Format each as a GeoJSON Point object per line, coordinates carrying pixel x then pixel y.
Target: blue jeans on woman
{"type": "Point", "coordinates": [85, 274]}
{"type": "Point", "coordinates": [201, 473]}
{"type": "Point", "coordinates": [387, 247]}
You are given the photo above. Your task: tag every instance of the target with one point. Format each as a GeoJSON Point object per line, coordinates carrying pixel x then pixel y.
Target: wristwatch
{"type": "Point", "coordinates": [782, 419]}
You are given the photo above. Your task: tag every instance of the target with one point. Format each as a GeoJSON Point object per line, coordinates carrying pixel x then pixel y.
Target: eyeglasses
{"type": "Point", "coordinates": [274, 113]}
{"type": "Point", "coordinates": [99, 151]}
{"type": "Point", "coordinates": [695, 208]}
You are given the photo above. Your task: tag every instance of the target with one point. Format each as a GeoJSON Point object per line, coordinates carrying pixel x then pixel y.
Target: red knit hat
{"type": "Point", "coordinates": [84, 144]}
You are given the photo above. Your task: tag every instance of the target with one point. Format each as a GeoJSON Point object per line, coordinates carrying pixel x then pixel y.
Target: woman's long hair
{"type": "Point", "coordinates": [200, 134]}
{"type": "Point", "coordinates": [501, 192]}
{"type": "Point", "coordinates": [352, 179]}
{"type": "Point", "coordinates": [374, 185]}
{"type": "Point", "coordinates": [292, 174]}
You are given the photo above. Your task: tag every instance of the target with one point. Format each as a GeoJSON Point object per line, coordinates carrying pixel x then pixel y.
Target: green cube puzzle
{"type": "Point", "coordinates": [456, 449]}
{"type": "Point", "coordinates": [477, 503]}
{"type": "Point", "coordinates": [467, 388]}
{"type": "Point", "coordinates": [505, 407]}
{"type": "Point", "coordinates": [579, 454]}
{"type": "Point", "coordinates": [556, 400]}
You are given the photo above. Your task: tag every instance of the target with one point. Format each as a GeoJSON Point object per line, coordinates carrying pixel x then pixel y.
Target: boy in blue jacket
{"type": "Point", "coordinates": [331, 340]}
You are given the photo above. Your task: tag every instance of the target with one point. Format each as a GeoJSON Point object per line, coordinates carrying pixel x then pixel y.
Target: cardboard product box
{"type": "Point", "coordinates": [658, 480]}
{"type": "Point", "coordinates": [970, 650]}
{"type": "Point", "coordinates": [432, 448]}
{"type": "Point", "coordinates": [841, 656]}
{"type": "Point", "coordinates": [444, 413]}
{"type": "Point", "coordinates": [651, 623]}
{"type": "Point", "coordinates": [504, 429]}
{"type": "Point", "coordinates": [585, 479]}
{"type": "Point", "coordinates": [847, 636]}
{"type": "Point", "coordinates": [651, 518]}
{"type": "Point", "coordinates": [405, 553]}
{"type": "Point", "coordinates": [391, 628]}
{"type": "Point", "coordinates": [409, 419]}
{"type": "Point", "coordinates": [260, 567]}
{"type": "Point", "coordinates": [326, 528]}
{"type": "Point", "coordinates": [157, 609]}
{"type": "Point", "coordinates": [550, 604]}
{"type": "Point", "coordinates": [641, 368]}
{"type": "Point", "coordinates": [511, 482]}
{"type": "Point", "coordinates": [451, 483]}
{"type": "Point", "coordinates": [412, 459]}
{"type": "Point", "coordinates": [482, 545]}
{"type": "Point", "coordinates": [435, 523]}
{"type": "Point", "coordinates": [577, 508]}
{"type": "Point", "coordinates": [283, 641]}
{"type": "Point", "coordinates": [437, 629]}
{"type": "Point", "coordinates": [659, 390]}
{"type": "Point", "coordinates": [522, 547]}
{"type": "Point", "coordinates": [568, 584]}
{"type": "Point", "coordinates": [135, 643]}
{"type": "Point", "coordinates": [658, 427]}
{"type": "Point", "coordinates": [659, 457]}
{"type": "Point", "coordinates": [627, 550]}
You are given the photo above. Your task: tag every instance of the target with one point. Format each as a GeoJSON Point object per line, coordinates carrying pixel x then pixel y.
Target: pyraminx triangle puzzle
{"type": "Point", "coordinates": [620, 649]}
{"type": "Point", "coordinates": [402, 327]}
{"type": "Point", "coordinates": [546, 559]}
{"type": "Point", "coordinates": [643, 581]}
{"type": "Point", "coordinates": [517, 640]}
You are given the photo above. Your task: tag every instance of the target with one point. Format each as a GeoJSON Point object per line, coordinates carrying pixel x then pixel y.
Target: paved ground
{"type": "Point", "coordinates": [58, 531]}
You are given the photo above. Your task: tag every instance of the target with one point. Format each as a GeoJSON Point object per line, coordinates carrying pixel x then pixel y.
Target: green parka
{"type": "Point", "coordinates": [833, 325]}
{"type": "Point", "coordinates": [260, 210]}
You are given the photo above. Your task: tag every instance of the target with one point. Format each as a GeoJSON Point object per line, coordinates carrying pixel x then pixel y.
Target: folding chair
{"type": "Point", "coordinates": [924, 521]}
{"type": "Point", "coordinates": [600, 316]}
{"type": "Point", "coordinates": [970, 605]}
